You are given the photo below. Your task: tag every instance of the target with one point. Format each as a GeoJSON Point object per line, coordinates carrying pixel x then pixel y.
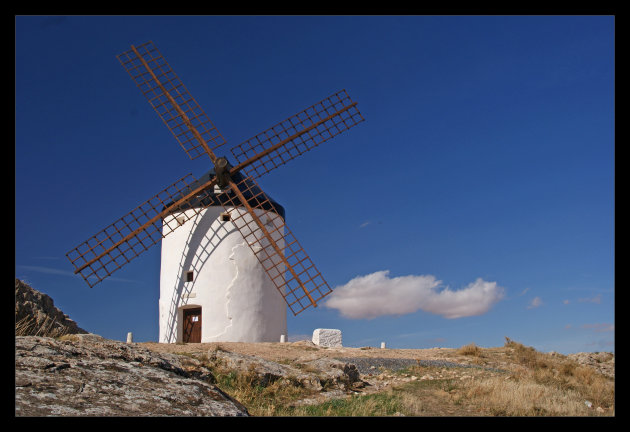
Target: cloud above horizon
{"type": "Point", "coordinates": [377, 294]}
{"type": "Point", "coordinates": [536, 302]}
{"type": "Point", "coordinates": [55, 271]}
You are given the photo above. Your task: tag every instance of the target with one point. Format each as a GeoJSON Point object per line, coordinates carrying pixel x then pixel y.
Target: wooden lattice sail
{"type": "Point", "coordinates": [274, 245]}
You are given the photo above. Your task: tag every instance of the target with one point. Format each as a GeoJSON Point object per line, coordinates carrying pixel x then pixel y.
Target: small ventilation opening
{"type": "Point", "coordinates": [189, 276]}
{"type": "Point", "coordinates": [225, 217]}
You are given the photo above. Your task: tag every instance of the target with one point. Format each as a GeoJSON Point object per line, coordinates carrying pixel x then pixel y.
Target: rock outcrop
{"type": "Point", "coordinates": [603, 362]}
{"type": "Point", "coordinates": [36, 314]}
{"type": "Point", "coordinates": [87, 375]}
{"type": "Point", "coordinates": [335, 373]}
{"type": "Point", "coordinates": [315, 374]}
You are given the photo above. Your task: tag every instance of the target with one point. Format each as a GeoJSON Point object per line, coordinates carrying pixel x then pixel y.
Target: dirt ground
{"type": "Point", "coordinates": [303, 351]}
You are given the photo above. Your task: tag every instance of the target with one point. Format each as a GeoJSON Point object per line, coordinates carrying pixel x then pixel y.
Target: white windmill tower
{"type": "Point", "coordinates": [212, 287]}
{"type": "Point", "coordinates": [229, 265]}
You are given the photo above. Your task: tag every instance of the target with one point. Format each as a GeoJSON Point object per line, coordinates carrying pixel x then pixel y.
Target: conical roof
{"type": "Point", "coordinates": [248, 188]}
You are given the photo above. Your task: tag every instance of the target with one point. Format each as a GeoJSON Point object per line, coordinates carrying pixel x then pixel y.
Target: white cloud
{"type": "Point", "coordinates": [600, 327]}
{"type": "Point", "coordinates": [597, 299]}
{"type": "Point", "coordinates": [536, 301]}
{"type": "Point", "coordinates": [48, 270]}
{"type": "Point", "coordinates": [376, 294]}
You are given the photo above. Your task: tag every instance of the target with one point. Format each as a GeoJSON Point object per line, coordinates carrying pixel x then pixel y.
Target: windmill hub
{"type": "Point", "coordinates": [222, 171]}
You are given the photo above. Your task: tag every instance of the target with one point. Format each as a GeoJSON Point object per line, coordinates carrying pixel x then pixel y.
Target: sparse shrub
{"type": "Point", "coordinates": [542, 385]}
{"type": "Point", "coordinates": [379, 404]}
{"type": "Point", "coordinates": [470, 349]}
{"type": "Point", "coordinates": [69, 337]}
{"type": "Point", "coordinates": [261, 395]}
{"type": "Point", "coordinates": [567, 368]}
{"type": "Point", "coordinates": [584, 374]}
{"type": "Point", "coordinates": [509, 343]}
{"type": "Point", "coordinates": [527, 356]}
{"type": "Point", "coordinates": [29, 326]}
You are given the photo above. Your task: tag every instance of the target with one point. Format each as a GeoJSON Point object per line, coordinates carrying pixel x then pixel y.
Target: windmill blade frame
{"type": "Point", "coordinates": [251, 211]}
{"type": "Point", "coordinates": [282, 257]}
{"type": "Point", "coordinates": [168, 96]}
{"type": "Point", "coordinates": [116, 245]}
{"type": "Point", "coordinates": [296, 135]}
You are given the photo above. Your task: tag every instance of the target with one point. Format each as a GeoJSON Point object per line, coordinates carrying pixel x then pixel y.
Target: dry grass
{"type": "Point", "coordinates": [543, 385]}
{"type": "Point", "coordinates": [470, 349]}
{"type": "Point", "coordinates": [379, 404]}
{"type": "Point", "coordinates": [260, 397]}
{"type": "Point", "coordinates": [28, 326]}
{"type": "Point", "coordinates": [277, 398]}
{"type": "Point", "coordinates": [525, 398]}
{"type": "Point", "coordinates": [530, 383]}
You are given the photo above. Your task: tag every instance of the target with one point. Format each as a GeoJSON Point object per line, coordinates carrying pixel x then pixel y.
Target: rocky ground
{"type": "Point", "coordinates": [86, 375]}
{"type": "Point", "coordinates": [81, 374]}
{"type": "Point", "coordinates": [375, 369]}
{"type": "Point", "coordinates": [91, 376]}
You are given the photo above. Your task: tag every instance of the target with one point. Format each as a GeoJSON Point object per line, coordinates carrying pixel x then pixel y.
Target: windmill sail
{"type": "Point", "coordinates": [297, 134]}
{"type": "Point", "coordinates": [274, 245]}
{"type": "Point", "coordinates": [168, 96]}
{"type": "Point", "coordinates": [254, 214]}
{"type": "Point", "coordinates": [113, 247]}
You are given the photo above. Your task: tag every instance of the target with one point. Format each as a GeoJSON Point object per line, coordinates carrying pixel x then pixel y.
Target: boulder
{"type": "Point", "coordinates": [87, 375]}
{"type": "Point", "coordinates": [314, 374]}
{"type": "Point", "coordinates": [327, 337]}
{"type": "Point", "coordinates": [335, 373]}
{"type": "Point", "coordinates": [266, 371]}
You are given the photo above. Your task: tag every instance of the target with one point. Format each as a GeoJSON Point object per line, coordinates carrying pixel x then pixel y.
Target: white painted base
{"type": "Point", "coordinates": [238, 301]}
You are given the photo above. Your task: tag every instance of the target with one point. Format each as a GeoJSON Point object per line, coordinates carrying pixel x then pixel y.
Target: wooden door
{"type": "Point", "coordinates": [192, 325]}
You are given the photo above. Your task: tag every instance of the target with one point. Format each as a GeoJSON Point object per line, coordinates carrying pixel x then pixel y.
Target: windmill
{"type": "Point", "coordinates": [216, 213]}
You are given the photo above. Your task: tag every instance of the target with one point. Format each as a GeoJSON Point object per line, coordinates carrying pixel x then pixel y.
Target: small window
{"type": "Point", "coordinates": [225, 217]}
{"type": "Point", "coordinates": [189, 276]}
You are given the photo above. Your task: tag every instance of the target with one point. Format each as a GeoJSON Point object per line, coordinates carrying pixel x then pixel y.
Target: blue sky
{"type": "Point", "coordinates": [475, 202]}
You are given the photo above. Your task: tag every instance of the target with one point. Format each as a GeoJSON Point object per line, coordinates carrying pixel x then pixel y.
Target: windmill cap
{"type": "Point", "coordinates": [249, 191]}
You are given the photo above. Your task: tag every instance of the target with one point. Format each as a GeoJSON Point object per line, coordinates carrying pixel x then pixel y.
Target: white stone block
{"type": "Point", "coordinates": [327, 337]}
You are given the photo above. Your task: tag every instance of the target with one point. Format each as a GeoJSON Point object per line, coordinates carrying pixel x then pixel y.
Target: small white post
{"type": "Point", "coordinates": [382, 345]}
{"type": "Point", "coordinates": [282, 339]}
{"type": "Point", "coordinates": [129, 337]}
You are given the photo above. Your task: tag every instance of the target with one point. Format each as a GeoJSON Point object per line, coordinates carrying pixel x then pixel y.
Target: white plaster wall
{"type": "Point", "coordinates": [239, 302]}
